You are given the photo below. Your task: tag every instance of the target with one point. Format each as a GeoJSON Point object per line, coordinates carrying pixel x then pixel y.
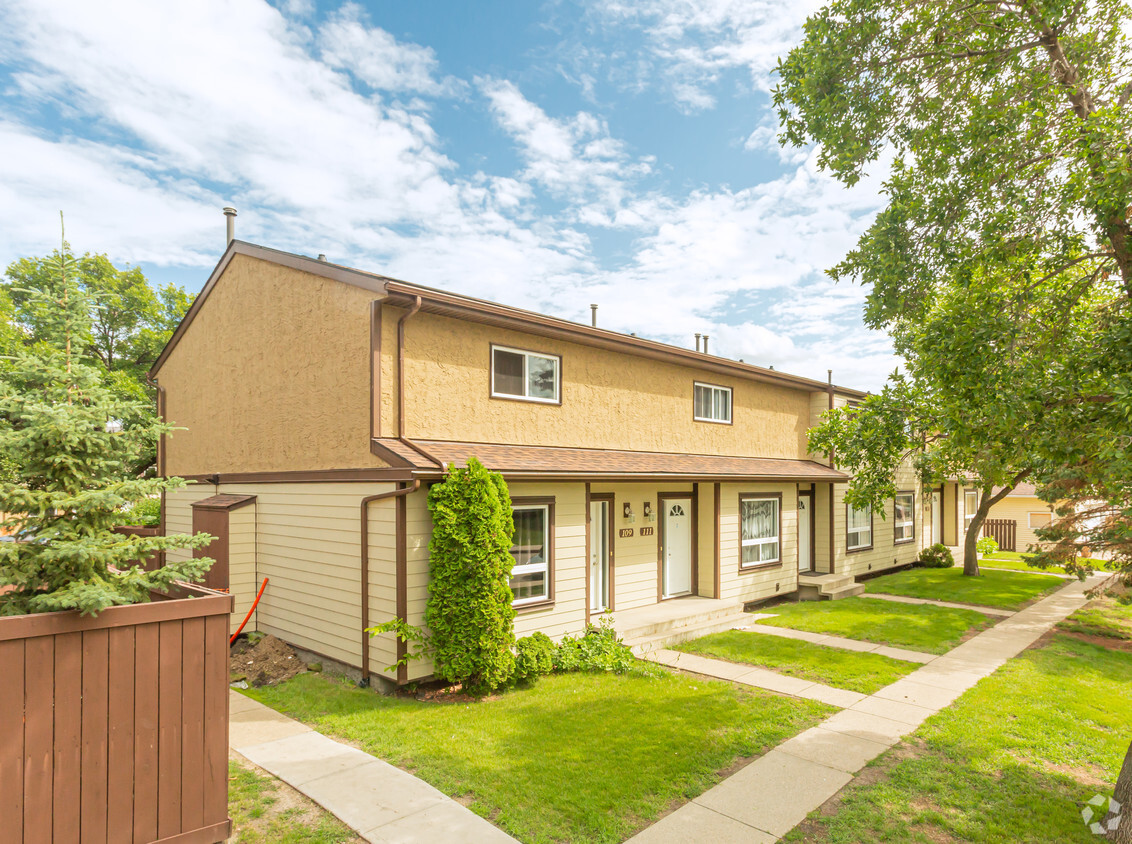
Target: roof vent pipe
{"type": "Point", "coordinates": [698, 335]}
{"type": "Point", "coordinates": [705, 344]}
{"type": "Point", "coordinates": [322, 257]}
{"type": "Point", "coordinates": [593, 315]}
{"type": "Point", "coordinates": [230, 213]}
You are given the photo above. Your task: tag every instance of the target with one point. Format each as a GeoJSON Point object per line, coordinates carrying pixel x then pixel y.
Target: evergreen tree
{"type": "Point", "coordinates": [69, 480]}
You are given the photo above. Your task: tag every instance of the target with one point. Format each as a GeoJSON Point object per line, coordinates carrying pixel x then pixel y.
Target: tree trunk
{"type": "Point", "coordinates": [986, 501]}
{"type": "Point", "coordinates": [1123, 795]}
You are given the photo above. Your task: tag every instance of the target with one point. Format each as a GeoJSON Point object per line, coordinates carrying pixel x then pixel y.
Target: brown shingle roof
{"type": "Point", "coordinates": [558, 462]}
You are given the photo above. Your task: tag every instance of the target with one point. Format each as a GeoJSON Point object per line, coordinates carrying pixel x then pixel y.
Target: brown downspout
{"type": "Point", "coordinates": [400, 494]}
{"type": "Point", "coordinates": [832, 460]}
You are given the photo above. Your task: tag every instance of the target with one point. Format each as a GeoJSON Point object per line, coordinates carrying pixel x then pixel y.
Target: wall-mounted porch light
{"type": "Point", "coordinates": [627, 513]}
{"type": "Point", "coordinates": [648, 511]}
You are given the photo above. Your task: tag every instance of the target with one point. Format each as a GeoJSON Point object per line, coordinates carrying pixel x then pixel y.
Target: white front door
{"type": "Point", "coordinates": [599, 556]}
{"type": "Point", "coordinates": [677, 549]}
{"type": "Point", "coordinates": [805, 550]}
{"type": "Point", "coordinates": [937, 519]}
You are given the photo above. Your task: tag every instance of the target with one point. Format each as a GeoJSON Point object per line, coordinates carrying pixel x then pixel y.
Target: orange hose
{"type": "Point", "coordinates": [249, 615]}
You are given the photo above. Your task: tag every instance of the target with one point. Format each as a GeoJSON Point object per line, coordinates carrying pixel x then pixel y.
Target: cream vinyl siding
{"type": "Point", "coordinates": [242, 580]}
{"type": "Point", "coordinates": [759, 584]}
{"type": "Point", "coordinates": [706, 528]}
{"type": "Point", "coordinates": [885, 553]}
{"type": "Point", "coordinates": [1018, 508]}
{"type": "Point", "coordinates": [636, 559]}
{"type": "Point", "coordinates": [307, 544]}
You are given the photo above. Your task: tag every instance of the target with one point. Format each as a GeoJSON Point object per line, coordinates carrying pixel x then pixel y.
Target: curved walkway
{"type": "Point", "coordinates": [372, 797]}
{"type": "Point", "coordinates": [766, 799]}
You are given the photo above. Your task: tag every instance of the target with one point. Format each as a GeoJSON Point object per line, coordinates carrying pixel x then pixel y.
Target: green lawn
{"type": "Point", "coordinates": [1012, 760]}
{"type": "Point", "coordinates": [857, 672]}
{"type": "Point", "coordinates": [1017, 561]}
{"type": "Point", "coordinates": [265, 811]}
{"type": "Point", "coordinates": [1006, 590]}
{"type": "Point", "coordinates": [578, 757]}
{"type": "Point", "coordinates": [1106, 615]}
{"type": "Point", "coordinates": [918, 627]}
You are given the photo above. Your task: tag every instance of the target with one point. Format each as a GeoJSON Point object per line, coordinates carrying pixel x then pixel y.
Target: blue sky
{"type": "Point", "coordinates": [542, 155]}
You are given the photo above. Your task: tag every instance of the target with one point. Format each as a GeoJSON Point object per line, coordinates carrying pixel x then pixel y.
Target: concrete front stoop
{"type": "Point", "coordinates": [652, 628]}
{"type": "Point", "coordinates": [815, 586]}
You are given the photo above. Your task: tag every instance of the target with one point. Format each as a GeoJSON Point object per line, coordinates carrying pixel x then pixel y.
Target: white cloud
{"type": "Point", "coordinates": [348, 42]}
{"type": "Point", "coordinates": [574, 159]}
{"type": "Point", "coordinates": [260, 112]}
{"type": "Point", "coordinates": [690, 43]}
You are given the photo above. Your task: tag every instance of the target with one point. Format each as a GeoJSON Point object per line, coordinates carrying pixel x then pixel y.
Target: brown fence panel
{"type": "Point", "coordinates": [115, 728]}
{"type": "Point", "coordinates": [1004, 532]}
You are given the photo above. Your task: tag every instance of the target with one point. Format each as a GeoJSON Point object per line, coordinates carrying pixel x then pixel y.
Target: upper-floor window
{"type": "Point", "coordinates": [530, 376]}
{"type": "Point", "coordinates": [859, 532]}
{"type": "Point", "coordinates": [904, 521]}
{"type": "Point", "coordinates": [711, 403]}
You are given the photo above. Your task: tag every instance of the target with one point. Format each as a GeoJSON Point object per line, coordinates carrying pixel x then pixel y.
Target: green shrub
{"type": "Point", "coordinates": [598, 649]}
{"type": "Point", "coordinates": [987, 545]}
{"type": "Point", "coordinates": [937, 556]}
{"type": "Point", "coordinates": [534, 656]}
{"type": "Point", "coordinates": [146, 513]}
{"type": "Point", "coordinates": [469, 610]}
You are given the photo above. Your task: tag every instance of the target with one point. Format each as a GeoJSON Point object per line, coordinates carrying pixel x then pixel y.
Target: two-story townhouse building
{"type": "Point", "coordinates": [316, 403]}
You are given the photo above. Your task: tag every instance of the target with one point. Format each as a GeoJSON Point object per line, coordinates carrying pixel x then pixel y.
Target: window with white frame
{"type": "Point", "coordinates": [759, 530]}
{"type": "Point", "coordinates": [970, 505]}
{"type": "Point", "coordinates": [859, 532]}
{"type": "Point", "coordinates": [530, 576]}
{"type": "Point", "coordinates": [711, 403]}
{"type": "Point", "coordinates": [904, 520]}
{"type": "Point", "coordinates": [1038, 520]}
{"type": "Point", "coordinates": [516, 374]}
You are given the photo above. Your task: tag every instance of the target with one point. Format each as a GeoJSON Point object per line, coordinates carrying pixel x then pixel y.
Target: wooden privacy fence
{"type": "Point", "coordinates": [1004, 532]}
{"type": "Point", "coordinates": [115, 728]}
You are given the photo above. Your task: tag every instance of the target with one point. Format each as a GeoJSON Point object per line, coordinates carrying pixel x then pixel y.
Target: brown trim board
{"type": "Point", "coordinates": [718, 562]}
{"type": "Point", "coordinates": [811, 494]}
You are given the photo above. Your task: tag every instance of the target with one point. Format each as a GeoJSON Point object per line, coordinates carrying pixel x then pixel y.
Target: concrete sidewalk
{"type": "Point", "coordinates": [831, 641]}
{"type": "Point", "coordinates": [904, 599]}
{"type": "Point", "coordinates": [766, 799]}
{"type": "Point", "coordinates": [378, 801]}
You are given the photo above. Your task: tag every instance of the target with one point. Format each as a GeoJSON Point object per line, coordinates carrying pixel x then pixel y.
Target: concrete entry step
{"type": "Point", "coordinates": [815, 586]}
{"type": "Point", "coordinates": [673, 614]}
{"type": "Point", "coordinates": [685, 633]}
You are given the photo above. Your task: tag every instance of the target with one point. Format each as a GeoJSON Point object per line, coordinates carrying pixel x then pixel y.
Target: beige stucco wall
{"type": "Point", "coordinates": [308, 539]}
{"type": "Point", "coordinates": [609, 399]}
{"type": "Point", "coordinates": [272, 375]}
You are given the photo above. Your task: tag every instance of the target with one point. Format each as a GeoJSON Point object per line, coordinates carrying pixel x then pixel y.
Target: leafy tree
{"type": "Point", "coordinates": [1009, 190]}
{"type": "Point", "coordinates": [128, 324]}
{"type": "Point", "coordinates": [68, 490]}
{"type": "Point", "coordinates": [469, 609]}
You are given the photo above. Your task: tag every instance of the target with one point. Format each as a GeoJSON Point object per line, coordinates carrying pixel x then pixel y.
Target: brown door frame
{"type": "Point", "coordinates": [660, 557]}
{"type": "Point", "coordinates": [809, 493]}
{"type": "Point", "coordinates": [611, 498]}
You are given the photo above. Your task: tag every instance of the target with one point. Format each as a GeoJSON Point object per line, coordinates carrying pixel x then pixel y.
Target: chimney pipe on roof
{"type": "Point", "coordinates": [698, 335]}
{"type": "Point", "coordinates": [705, 344]}
{"type": "Point", "coordinates": [230, 213]}
{"type": "Point", "coordinates": [322, 257]}
{"type": "Point", "coordinates": [593, 315]}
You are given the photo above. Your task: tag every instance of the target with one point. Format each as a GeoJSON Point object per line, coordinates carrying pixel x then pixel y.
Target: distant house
{"type": "Point", "coordinates": [1013, 520]}
{"type": "Point", "coordinates": [668, 486]}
